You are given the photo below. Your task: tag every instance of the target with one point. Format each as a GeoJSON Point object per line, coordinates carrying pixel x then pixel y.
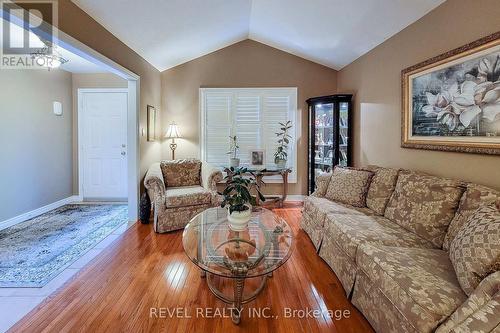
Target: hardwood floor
{"type": "Point", "coordinates": [143, 272]}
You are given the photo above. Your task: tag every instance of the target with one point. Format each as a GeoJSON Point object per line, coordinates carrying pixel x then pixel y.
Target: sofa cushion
{"type": "Point", "coordinates": [479, 313]}
{"type": "Point", "coordinates": [185, 172]}
{"type": "Point", "coordinates": [474, 196]}
{"type": "Point", "coordinates": [381, 188]}
{"type": "Point", "coordinates": [424, 204]}
{"type": "Point", "coordinates": [187, 196]}
{"type": "Point", "coordinates": [315, 211]}
{"type": "Point", "coordinates": [350, 231]}
{"type": "Point", "coordinates": [325, 206]}
{"type": "Point", "coordinates": [475, 251]}
{"type": "Point", "coordinates": [349, 186]}
{"type": "Point", "coordinates": [420, 283]}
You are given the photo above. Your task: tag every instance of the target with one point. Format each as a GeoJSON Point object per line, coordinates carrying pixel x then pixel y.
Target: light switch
{"type": "Point", "coordinates": [58, 110]}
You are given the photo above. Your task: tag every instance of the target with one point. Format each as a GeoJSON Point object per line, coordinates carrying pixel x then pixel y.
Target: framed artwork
{"type": "Point", "coordinates": [452, 102]}
{"type": "Point", "coordinates": [257, 157]}
{"type": "Point", "coordinates": [151, 135]}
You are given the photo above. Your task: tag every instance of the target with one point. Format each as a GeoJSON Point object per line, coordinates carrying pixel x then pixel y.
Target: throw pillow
{"type": "Point", "coordinates": [322, 181]}
{"type": "Point", "coordinates": [381, 188]}
{"type": "Point", "coordinates": [185, 172]}
{"type": "Point", "coordinates": [475, 250]}
{"type": "Point", "coordinates": [424, 204]}
{"type": "Point", "coordinates": [349, 186]}
{"type": "Point", "coordinates": [474, 197]}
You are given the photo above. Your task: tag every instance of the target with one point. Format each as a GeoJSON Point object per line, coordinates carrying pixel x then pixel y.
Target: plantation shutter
{"type": "Point", "coordinates": [247, 125]}
{"type": "Point", "coordinates": [254, 116]}
{"type": "Point", "coordinates": [276, 111]}
{"type": "Point", "coordinates": [217, 127]}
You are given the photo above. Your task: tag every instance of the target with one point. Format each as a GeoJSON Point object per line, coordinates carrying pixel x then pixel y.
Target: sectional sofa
{"type": "Point", "coordinates": [397, 250]}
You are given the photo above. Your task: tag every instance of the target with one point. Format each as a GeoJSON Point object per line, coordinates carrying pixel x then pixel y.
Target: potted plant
{"type": "Point", "coordinates": [237, 197]}
{"type": "Point", "coordinates": [234, 161]}
{"type": "Point", "coordinates": [281, 155]}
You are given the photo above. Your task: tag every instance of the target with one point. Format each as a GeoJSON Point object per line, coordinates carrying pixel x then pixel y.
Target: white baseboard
{"type": "Point", "coordinates": [39, 211]}
{"type": "Point", "coordinates": [295, 197]}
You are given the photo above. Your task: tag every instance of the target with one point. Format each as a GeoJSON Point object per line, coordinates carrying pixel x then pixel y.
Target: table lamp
{"type": "Point", "coordinates": [173, 133]}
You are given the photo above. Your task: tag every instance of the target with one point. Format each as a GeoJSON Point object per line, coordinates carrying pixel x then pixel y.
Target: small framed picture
{"type": "Point", "coordinates": [257, 158]}
{"type": "Point", "coordinates": [151, 123]}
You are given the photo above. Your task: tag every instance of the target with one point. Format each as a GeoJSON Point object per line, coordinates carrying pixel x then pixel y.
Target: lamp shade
{"type": "Point", "coordinates": [173, 131]}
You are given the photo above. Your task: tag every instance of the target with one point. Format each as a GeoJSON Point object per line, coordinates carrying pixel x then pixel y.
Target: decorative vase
{"type": "Point", "coordinates": [145, 208]}
{"type": "Point", "coordinates": [281, 164]}
{"type": "Point", "coordinates": [234, 162]}
{"type": "Point", "coordinates": [238, 221]}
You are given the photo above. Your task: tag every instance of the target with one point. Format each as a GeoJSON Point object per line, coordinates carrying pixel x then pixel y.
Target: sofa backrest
{"type": "Point", "coordinates": [473, 197]}
{"type": "Point", "coordinates": [185, 172]}
{"type": "Point", "coordinates": [424, 204]}
{"type": "Point", "coordinates": [381, 188]}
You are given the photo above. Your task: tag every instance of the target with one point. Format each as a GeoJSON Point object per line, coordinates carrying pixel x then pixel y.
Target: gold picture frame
{"type": "Point", "coordinates": [450, 102]}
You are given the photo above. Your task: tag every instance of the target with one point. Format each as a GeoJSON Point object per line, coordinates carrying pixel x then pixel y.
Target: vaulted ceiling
{"type": "Point", "coordinates": [334, 33]}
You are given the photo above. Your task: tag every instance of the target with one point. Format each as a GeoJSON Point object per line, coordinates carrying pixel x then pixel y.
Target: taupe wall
{"type": "Point", "coordinates": [36, 148]}
{"type": "Point", "coordinates": [78, 24]}
{"type": "Point", "coordinates": [88, 80]}
{"type": "Point", "coordinates": [375, 79]}
{"type": "Point", "coordinates": [245, 64]}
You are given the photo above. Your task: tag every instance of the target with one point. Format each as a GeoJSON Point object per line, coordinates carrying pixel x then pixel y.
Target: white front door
{"type": "Point", "coordinates": [103, 144]}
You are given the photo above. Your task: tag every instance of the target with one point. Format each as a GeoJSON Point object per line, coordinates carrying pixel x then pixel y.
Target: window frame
{"type": "Point", "coordinates": [294, 114]}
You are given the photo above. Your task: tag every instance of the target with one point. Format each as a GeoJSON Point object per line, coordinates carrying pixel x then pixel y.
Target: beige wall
{"type": "Point", "coordinates": [35, 149]}
{"type": "Point", "coordinates": [375, 80]}
{"type": "Point", "coordinates": [245, 64]}
{"type": "Point", "coordinates": [76, 23]}
{"type": "Point", "coordinates": [88, 80]}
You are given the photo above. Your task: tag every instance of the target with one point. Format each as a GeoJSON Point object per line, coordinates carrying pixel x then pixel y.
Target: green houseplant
{"type": "Point", "coordinates": [237, 197]}
{"type": "Point", "coordinates": [234, 161]}
{"type": "Point", "coordinates": [281, 154]}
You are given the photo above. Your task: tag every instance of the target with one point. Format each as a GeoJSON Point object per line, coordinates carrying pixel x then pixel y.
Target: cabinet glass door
{"type": "Point", "coordinates": [343, 133]}
{"type": "Point", "coordinates": [324, 144]}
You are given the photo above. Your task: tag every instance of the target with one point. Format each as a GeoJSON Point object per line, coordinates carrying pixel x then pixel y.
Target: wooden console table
{"type": "Point", "coordinates": [259, 174]}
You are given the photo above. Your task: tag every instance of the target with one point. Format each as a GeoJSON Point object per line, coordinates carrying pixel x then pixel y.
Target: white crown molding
{"type": "Point", "coordinates": [39, 211]}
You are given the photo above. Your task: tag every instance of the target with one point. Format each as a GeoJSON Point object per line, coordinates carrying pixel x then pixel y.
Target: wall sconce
{"type": "Point", "coordinates": [173, 133]}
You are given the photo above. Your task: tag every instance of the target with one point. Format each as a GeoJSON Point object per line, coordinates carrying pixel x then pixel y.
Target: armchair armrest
{"type": "Point", "coordinates": [210, 176]}
{"type": "Point", "coordinates": [322, 182]}
{"type": "Point", "coordinates": [154, 184]}
{"type": "Point", "coordinates": [479, 313]}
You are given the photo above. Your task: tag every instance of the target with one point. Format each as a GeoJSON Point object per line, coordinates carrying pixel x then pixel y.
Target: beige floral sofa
{"type": "Point", "coordinates": [179, 190]}
{"type": "Point", "coordinates": [398, 249]}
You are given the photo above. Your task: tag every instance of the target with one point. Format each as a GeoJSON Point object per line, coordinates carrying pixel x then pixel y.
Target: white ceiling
{"type": "Point", "coordinates": [330, 32]}
{"type": "Point", "coordinates": [75, 64]}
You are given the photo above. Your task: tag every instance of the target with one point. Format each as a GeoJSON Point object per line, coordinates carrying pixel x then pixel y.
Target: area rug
{"type": "Point", "coordinates": [35, 251]}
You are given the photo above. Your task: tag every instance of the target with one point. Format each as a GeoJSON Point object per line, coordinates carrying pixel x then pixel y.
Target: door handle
{"type": "Point", "coordinates": [123, 153]}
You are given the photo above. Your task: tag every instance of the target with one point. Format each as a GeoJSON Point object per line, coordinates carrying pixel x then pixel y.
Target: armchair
{"type": "Point", "coordinates": [179, 190]}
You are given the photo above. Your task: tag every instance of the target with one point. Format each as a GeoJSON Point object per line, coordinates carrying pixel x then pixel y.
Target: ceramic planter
{"type": "Point", "coordinates": [238, 221]}
{"type": "Point", "coordinates": [281, 164]}
{"type": "Point", "coordinates": [234, 162]}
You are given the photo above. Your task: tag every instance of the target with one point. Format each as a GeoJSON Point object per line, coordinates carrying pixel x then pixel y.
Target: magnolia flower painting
{"type": "Point", "coordinates": [451, 102]}
{"type": "Point", "coordinates": [460, 100]}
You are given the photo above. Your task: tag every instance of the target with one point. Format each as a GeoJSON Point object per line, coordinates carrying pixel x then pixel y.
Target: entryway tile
{"type": "Point", "coordinates": [14, 308]}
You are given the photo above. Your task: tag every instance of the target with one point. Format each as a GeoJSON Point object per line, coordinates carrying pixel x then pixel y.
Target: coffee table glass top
{"type": "Point", "coordinates": [260, 249]}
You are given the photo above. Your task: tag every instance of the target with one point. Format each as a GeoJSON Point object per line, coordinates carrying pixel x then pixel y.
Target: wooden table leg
{"type": "Point", "coordinates": [284, 175]}
{"type": "Point", "coordinates": [258, 179]}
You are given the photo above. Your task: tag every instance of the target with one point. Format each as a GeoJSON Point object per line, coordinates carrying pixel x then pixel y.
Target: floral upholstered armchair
{"type": "Point", "coordinates": [179, 190]}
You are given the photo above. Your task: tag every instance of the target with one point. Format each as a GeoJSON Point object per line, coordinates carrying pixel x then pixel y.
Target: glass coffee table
{"type": "Point", "coordinates": [224, 255]}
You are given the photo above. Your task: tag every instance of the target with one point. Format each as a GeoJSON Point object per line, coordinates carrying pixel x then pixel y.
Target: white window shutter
{"type": "Point", "coordinates": [254, 116]}
{"type": "Point", "coordinates": [248, 117]}
{"type": "Point", "coordinates": [276, 111]}
{"type": "Point", "coordinates": [218, 124]}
